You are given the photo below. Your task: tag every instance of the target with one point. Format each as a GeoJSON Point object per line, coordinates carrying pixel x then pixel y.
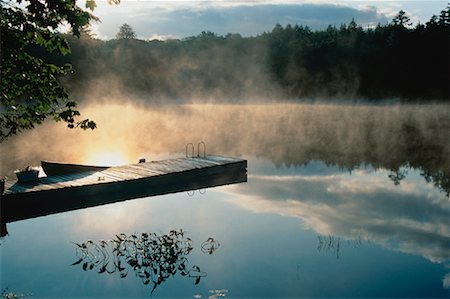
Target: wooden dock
{"type": "Point", "coordinates": [54, 194]}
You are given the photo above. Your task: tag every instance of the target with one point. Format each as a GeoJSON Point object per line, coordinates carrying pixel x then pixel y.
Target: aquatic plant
{"type": "Point", "coordinates": [154, 258]}
{"type": "Point", "coordinates": [10, 295]}
{"type": "Point", "coordinates": [334, 243]}
{"type": "Point", "coordinates": [210, 245]}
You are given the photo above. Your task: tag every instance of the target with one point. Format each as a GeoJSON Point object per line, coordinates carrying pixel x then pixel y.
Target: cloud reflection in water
{"type": "Point", "coordinates": [411, 217]}
{"type": "Point", "coordinates": [372, 141]}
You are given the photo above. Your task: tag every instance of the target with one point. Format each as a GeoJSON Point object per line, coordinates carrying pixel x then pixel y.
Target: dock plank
{"type": "Point", "coordinates": [121, 173]}
{"type": "Point", "coordinates": [54, 194]}
{"type": "Point", "coordinates": [145, 169]}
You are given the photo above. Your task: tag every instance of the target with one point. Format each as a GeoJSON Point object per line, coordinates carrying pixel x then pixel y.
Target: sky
{"type": "Point", "coordinates": [179, 19]}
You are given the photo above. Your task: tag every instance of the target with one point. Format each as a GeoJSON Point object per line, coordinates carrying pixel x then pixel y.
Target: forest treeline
{"type": "Point", "coordinates": [395, 60]}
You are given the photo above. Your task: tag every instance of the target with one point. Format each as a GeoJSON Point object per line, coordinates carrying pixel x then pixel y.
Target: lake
{"type": "Point", "coordinates": [342, 201]}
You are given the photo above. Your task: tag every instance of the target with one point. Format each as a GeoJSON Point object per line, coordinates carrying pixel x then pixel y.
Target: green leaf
{"type": "Point", "coordinates": [90, 4]}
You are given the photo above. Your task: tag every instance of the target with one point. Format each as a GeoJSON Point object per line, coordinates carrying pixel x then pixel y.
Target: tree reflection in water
{"type": "Point", "coordinates": [438, 178]}
{"type": "Point", "coordinates": [153, 258]}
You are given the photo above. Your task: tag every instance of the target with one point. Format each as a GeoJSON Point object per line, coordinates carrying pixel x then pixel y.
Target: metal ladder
{"type": "Point", "coordinates": [191, 153]}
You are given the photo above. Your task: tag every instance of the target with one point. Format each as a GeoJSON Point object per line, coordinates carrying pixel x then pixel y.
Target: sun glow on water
{"type": "Point", "coordinates": [107, 159]}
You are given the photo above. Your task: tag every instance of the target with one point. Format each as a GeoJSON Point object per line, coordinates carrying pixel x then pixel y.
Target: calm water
{"type": "Point", "coordinates": [341, 201]}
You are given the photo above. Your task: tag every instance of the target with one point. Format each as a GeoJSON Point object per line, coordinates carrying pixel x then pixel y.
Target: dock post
{"type": "Point", "coordinates": [3, 230]}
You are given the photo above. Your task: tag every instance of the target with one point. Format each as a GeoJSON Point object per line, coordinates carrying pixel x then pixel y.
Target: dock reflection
{"type": "Point", "coordinates": [15, 209]}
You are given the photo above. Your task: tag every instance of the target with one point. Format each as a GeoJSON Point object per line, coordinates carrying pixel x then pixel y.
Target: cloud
{"type": "Point", "coordinates": [161, 37]}
{"type": "Point", "coordinates": [410, 218]}
{"type": "Point", "coordinates": [446, 281]}
{"type": "Point", "coordinates": [181, 19]}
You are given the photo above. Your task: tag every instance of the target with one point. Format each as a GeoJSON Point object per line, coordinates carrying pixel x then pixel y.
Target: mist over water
{"type": "Point", "coordinates": [368, 181]}
{"type": "Point", "coordinates": [372, 180]}
{"type": "Point", "coordinates": [383, 136]}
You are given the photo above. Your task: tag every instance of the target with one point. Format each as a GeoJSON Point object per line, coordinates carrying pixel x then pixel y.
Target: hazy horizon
{"type": "Point", "coordinates": [179, 19]}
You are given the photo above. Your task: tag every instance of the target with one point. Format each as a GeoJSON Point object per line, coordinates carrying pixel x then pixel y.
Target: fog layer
{"type": "Point", "coordinates": [384, 136]}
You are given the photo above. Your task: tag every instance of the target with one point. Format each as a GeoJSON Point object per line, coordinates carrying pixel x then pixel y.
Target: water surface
{"type": "Point", "coordinates": [341, 201]}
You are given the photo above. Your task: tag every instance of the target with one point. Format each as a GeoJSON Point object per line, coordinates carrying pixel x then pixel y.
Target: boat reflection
{"type": "Point", "coordinates": [153, 258]}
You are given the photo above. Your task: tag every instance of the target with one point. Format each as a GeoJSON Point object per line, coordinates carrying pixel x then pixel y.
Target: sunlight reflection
{"type": "Point", "coordinates": [109, 219]}
{"type": "Point", "coordinates": [115, 158]}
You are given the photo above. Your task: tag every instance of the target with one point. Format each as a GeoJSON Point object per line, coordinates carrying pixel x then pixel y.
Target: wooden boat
{"type": "Point", "coordinates": [54, 168]}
